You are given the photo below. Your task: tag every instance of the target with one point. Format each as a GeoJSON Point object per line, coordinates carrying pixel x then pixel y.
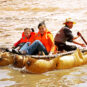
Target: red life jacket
{"type": "Point", "coordinates": [47, 39]}
{"type": "Point", "coordinates": [25, 39]}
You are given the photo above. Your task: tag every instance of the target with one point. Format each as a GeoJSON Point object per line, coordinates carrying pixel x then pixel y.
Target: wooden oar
{"type": "Point", "coordinates": [78, 33]}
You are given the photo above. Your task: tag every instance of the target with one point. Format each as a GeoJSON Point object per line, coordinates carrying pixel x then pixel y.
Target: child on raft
{"type": "Point", "coordinates": [43, 42]}
{"type": "Point", "coordinates": [27, 36]}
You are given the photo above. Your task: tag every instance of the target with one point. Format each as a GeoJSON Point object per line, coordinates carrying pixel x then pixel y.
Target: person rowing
{"type": "Point", "coordinates": [65, 34]}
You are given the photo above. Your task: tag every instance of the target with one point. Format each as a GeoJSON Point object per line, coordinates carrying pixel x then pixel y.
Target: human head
{"type": "Point", "coordinates": [27, 32]}
{"type": "Point", "coordinates": [32, 29]}
{"type": "Point", "coordinates": [69, 23]}
{"type": "Point", "coordinates": [42, 27]}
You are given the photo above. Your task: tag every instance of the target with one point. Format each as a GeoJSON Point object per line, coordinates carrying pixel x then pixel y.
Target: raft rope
{"type": "Point", "coordinates": [46, 56]}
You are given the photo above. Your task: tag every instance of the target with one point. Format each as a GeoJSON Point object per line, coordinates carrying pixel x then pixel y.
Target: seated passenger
{"type": "Point", "coordinates": [43, 42]}
{"type": "Point", "coordinates": [65, 34]}
{"type": "Point", "coordinates": [27, 36]}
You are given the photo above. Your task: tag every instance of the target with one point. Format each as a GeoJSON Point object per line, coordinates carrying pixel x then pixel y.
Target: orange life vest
{"type": "Point", "coordinates": [47, 39]}
{"type": "Point", "coordinates": [25, 39]}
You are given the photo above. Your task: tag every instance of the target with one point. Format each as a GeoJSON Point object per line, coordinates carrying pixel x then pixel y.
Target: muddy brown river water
{"type": "Point", "coordinates": [15, 15]}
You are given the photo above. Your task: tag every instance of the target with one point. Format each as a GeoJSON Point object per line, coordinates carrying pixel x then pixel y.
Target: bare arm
{"type": "Point", "coordinates": [76, 37]}
{"type": "Point", "coordinates": [79, 35]}
{"type": "Point", "coordinates": [83, 45]}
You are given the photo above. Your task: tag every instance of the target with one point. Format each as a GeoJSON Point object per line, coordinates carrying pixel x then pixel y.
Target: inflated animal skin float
{"type": "Point", "coordinates": [40, 64]}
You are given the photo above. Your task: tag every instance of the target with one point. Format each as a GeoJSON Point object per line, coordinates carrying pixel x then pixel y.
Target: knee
{"type": "Point", "coordinates": [27, 43]}
{"type": "Point", "coordinates": [38, 42]}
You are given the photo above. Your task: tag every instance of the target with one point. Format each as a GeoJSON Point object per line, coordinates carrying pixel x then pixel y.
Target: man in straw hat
{"type": "Point", "coordinates": [65, 34]}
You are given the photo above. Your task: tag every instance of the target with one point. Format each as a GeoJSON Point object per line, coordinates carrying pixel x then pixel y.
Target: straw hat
{"type": "Point", "coordinates": [69, 20]}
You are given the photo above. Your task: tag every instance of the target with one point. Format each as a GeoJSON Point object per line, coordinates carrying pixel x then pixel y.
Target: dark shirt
{"type": "Point", "coordinates": [65, 34]}
{"type": "Point", "coordinates": [68, 34]}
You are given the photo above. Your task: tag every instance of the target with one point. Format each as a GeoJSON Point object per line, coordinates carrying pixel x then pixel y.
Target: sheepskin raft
{"type": "Point", "coordinates": [41, 64]}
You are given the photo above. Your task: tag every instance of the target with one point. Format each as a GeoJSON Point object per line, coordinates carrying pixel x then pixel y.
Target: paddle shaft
{"type": "Point", "coordinates": [82, 38]}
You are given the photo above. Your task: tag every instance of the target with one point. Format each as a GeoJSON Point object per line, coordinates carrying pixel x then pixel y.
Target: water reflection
{"type": "Point", "coordinates": [5, 78]}
{"type": "Point", "coordinates": [4, 74]}
{"type": "Point", "coordinates": [6, 83]}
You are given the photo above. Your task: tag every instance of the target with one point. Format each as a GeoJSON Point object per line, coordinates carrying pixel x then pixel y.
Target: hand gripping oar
{"type": "Point", "coordinates": [78, 33]}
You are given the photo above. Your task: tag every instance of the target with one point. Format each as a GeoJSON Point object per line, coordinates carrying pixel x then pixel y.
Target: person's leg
{"type": "Point", "coordinates": [22, 44]}
{"type": "Point", "coordinates": [70, 47]}
{"type": "Point", "coordinates": [25, 46]}
{"type": "Point", "coordinates": [36, 45]}
{"type": "Point", "coordinates": [16, 50]}
{"type": "Point", "coordinates": [60, 46]}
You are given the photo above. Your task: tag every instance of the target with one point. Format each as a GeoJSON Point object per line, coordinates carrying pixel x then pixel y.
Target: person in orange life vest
{"type": "Point", "coordinates": [43, 42]}
{"type": "Point", "coordinates": [27, 36]}
{"type": "Point", "coordinates": [65, 34]}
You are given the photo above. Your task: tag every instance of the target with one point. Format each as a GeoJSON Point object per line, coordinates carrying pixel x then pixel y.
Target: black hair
{"type": "Point", "coordinates": [41, 23]}
{"type": "Point", "coordinates": [32, 29]}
